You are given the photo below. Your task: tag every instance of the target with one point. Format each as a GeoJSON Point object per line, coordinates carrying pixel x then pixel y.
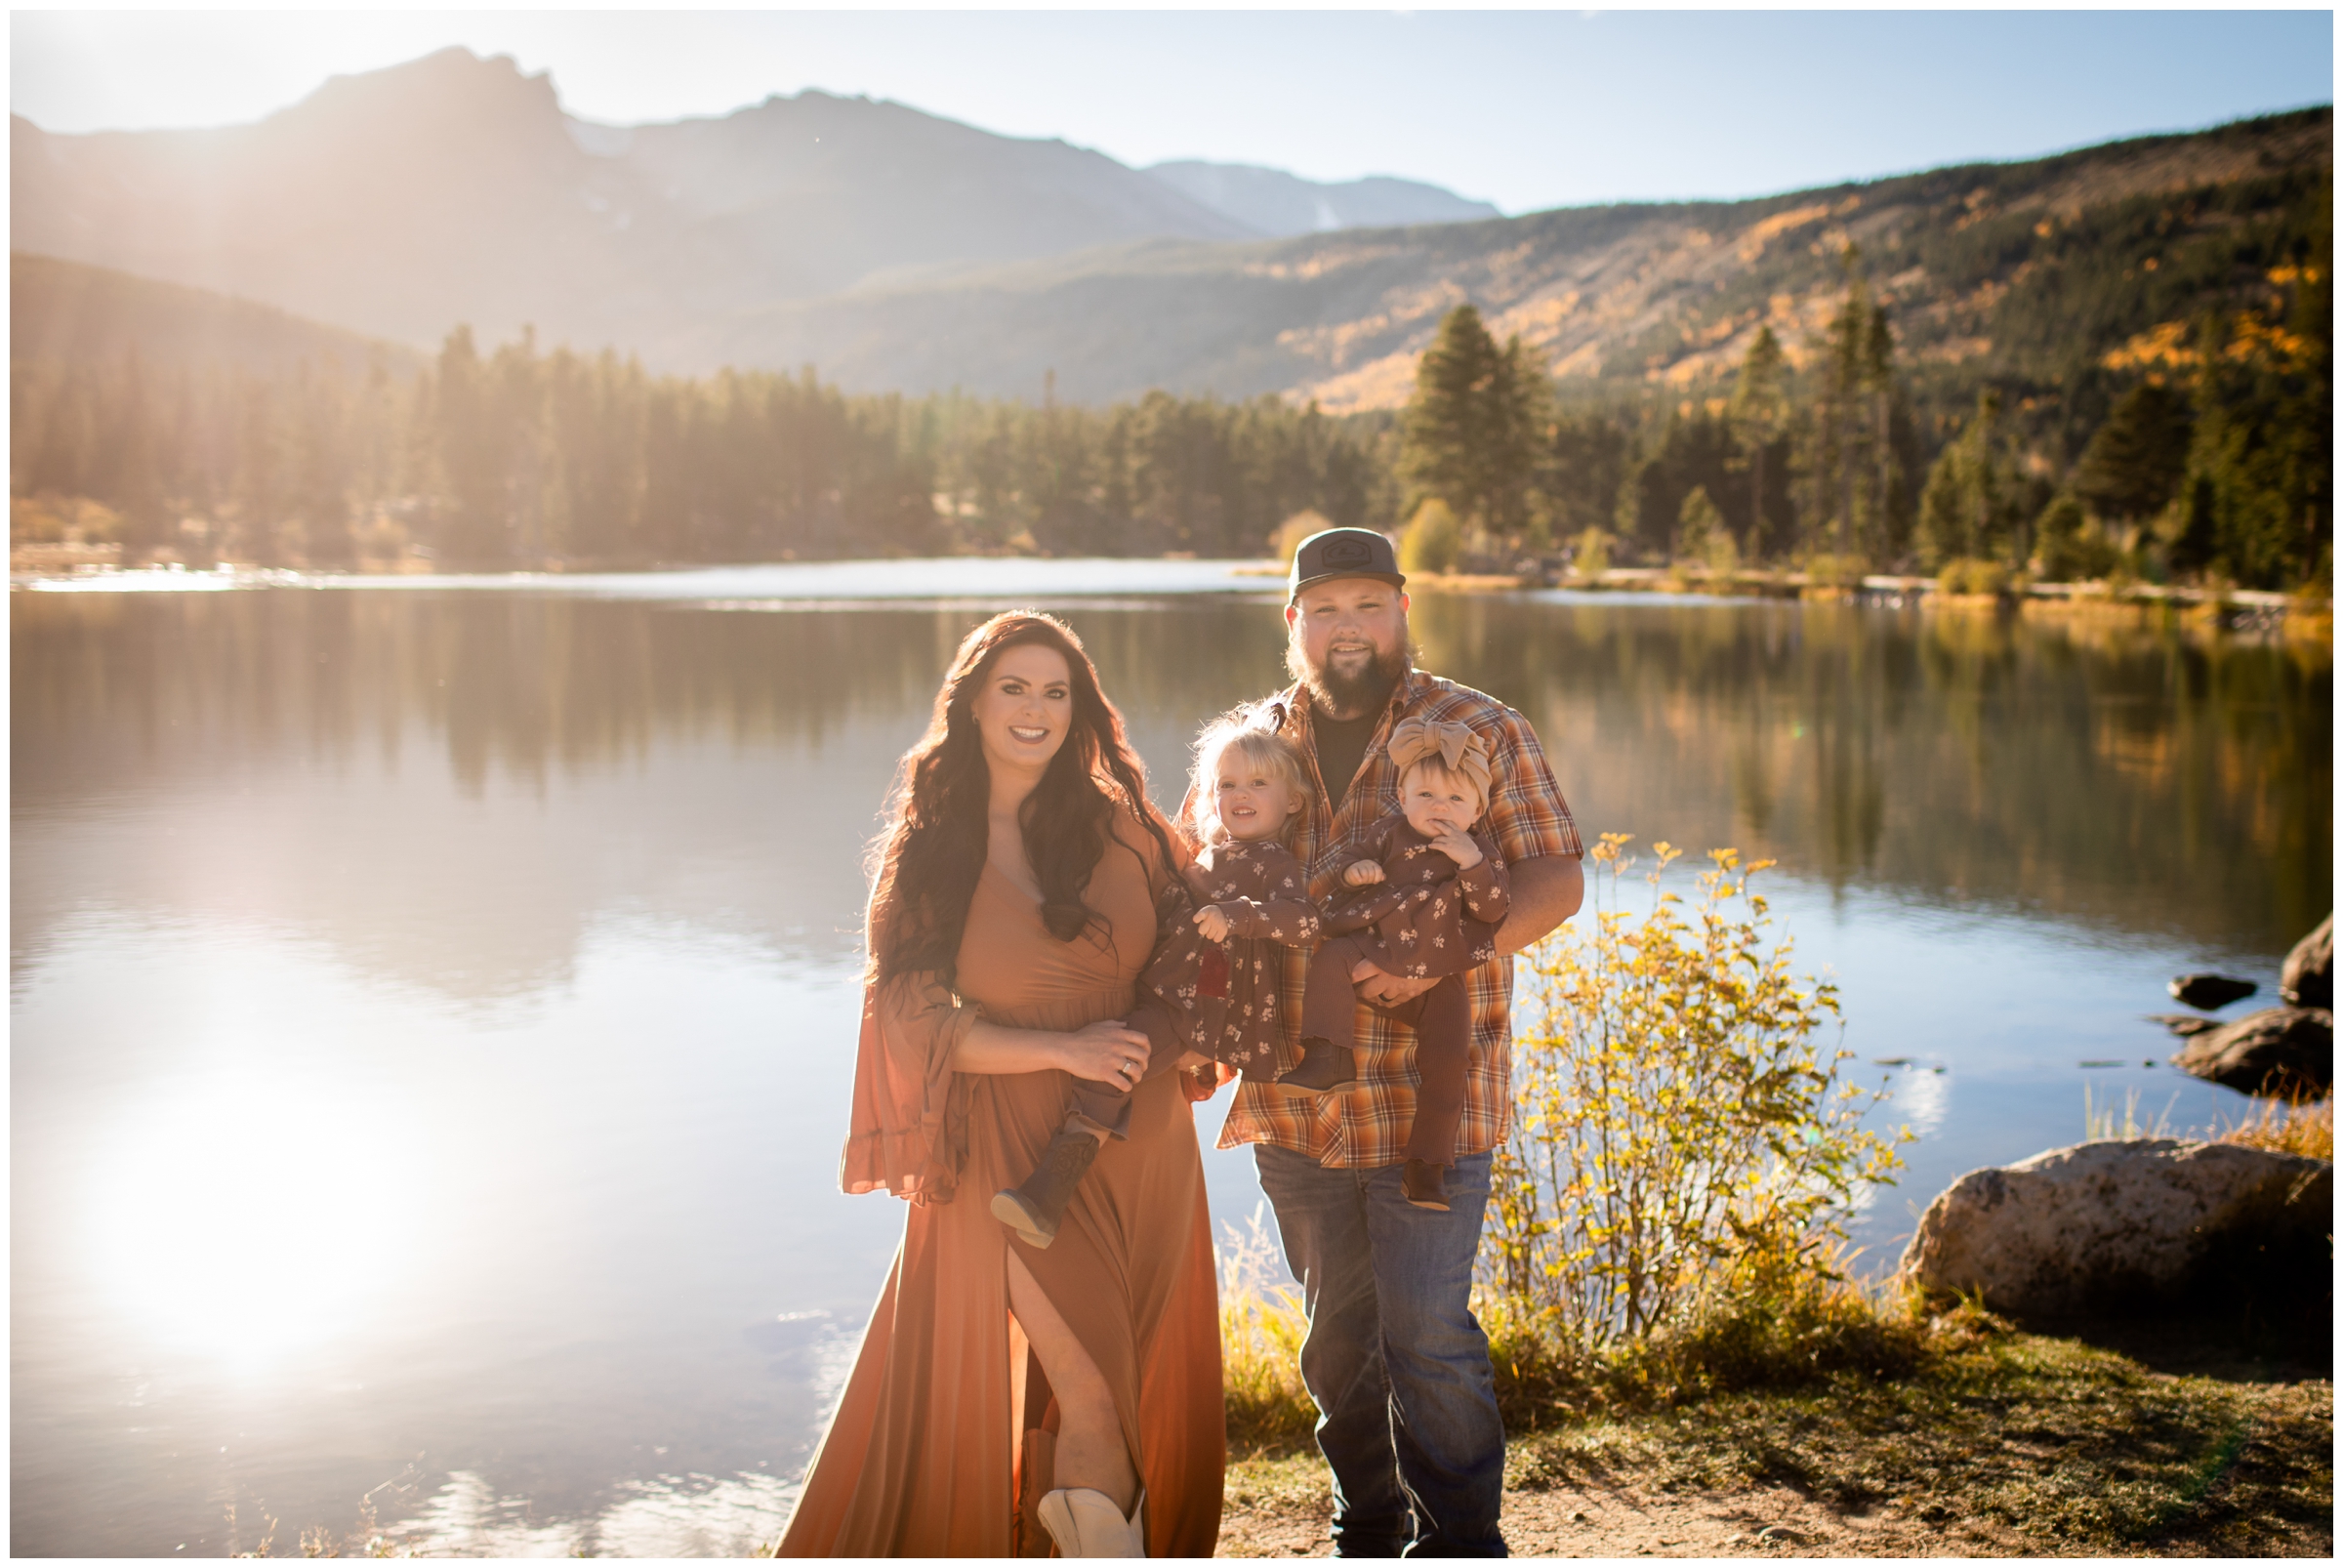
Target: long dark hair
{"type": "Point", "coordinates": [927, 862]}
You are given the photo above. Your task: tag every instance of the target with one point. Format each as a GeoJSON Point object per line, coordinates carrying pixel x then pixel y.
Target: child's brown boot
{"type": "Point", "coordinates": [1325, 1068]}
{"type": "Point", "coordinates": [1035, 1208]}
{"type": "Point", "coordinates": [1424, 1184]}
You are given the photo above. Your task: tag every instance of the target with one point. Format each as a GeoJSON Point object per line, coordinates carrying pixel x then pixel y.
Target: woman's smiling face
{"type": "Point", "coordinates": [1024, 708]}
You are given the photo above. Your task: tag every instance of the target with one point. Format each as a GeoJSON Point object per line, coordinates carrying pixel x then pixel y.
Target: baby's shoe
{"type": "Point", "coordinates": [1035, 1208]}
{"type": "Point", "coordinates": [1424, 1184]}
{"type": "Point", "coordinates": [1325, 1068]}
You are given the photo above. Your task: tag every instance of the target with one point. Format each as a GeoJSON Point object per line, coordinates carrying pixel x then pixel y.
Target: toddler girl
{"type": "Point", "coordinates": [1432, 893]}
{"type": "Point", "coordinates": [1211, 984]}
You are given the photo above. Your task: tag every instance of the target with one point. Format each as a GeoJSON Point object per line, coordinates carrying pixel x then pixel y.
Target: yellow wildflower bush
{"type": "Point", "coordinates": [1685, 1143]}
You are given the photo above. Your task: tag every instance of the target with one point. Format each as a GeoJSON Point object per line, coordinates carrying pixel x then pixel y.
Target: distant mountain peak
{"type": "Point", "coordinates": [1272, 201]}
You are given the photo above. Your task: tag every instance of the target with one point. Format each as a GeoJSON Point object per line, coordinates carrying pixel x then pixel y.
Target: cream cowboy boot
{"type": "Point", "coordinates": [1087, 1524]}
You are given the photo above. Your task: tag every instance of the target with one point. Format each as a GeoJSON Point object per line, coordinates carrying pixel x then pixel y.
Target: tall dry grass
{"type": "Point", "coordinates": [2296, 1126]}
{"type": "Point", "coordinates": [1262, 1325]}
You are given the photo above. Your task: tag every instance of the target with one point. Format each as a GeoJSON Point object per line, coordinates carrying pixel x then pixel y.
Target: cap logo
{"type": "Point", "coordinates": [1347, 553]}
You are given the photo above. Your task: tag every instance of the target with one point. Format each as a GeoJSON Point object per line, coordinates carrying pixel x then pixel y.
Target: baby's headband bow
{"type": "Point", "coordinates": [1456, 746]}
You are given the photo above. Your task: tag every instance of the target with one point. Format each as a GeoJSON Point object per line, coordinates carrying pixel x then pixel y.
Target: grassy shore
{"type": "Point", "coordinates": [1997, 1443]}
{"type": "Point", "coordinates": [1829, 1419]}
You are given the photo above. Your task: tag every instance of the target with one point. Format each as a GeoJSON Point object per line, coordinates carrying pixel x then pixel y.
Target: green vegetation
{"type": "Point", "coordinates": [519, 458]}
{"type": "Point", "coordinates": [1431, 540]}
{"type": "Point", "coordinates": [2215, 467]}
{"type": "Point", "coordinates": [1471, 436]}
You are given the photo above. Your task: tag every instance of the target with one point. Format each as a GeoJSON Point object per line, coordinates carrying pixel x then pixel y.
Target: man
{"type": "Point", "coordinates": [1394, 1358]}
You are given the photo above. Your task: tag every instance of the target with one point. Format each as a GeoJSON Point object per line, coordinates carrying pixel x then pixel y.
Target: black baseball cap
{"type": "Point", "coordinates": [1342, 552]}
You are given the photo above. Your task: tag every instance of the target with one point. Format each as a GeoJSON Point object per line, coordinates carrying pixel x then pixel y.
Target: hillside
{"type": "Point", "coordinates": [454, 189]}
{"type": "Point", "coordinates": [63, 312]}
{"type": "Point", "coordinates": [2027, 274]}
{"type": "Point", "coordinates": [897, 251]}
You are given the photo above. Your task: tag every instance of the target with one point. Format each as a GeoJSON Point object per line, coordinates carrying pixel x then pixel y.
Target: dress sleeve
{"type": "Point", "coordinates": [1283, 913]}
{"type": "Point", "coordinates": [1486, 891]}
{"type": "Point", "coordinates": [909, 1130]}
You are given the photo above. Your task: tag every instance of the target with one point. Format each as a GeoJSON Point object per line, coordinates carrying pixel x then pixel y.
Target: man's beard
{"type": "Point", "coordinates": [1332, 692]}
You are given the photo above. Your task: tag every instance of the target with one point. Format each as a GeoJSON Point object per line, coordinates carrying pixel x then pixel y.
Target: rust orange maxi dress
{"type": "Point", "coordinates": [942, 1444]}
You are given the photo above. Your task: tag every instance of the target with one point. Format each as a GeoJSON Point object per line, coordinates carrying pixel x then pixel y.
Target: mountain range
{"type": "Point", "coordinates": [895, 250]}
{"type": "Point", "coordinates": [452, 188]}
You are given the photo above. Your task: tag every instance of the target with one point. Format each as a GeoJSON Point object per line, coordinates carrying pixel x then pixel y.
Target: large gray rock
{"type": "Point", "coordinates": [2130, 1224]}
{"type": "Point", "coordinates": [2309, 978]}
{"type": "Point", "coordinates": [2278, 1050]}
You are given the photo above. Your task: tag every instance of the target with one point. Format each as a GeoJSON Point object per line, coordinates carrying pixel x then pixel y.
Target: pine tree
{"type": "Point", "coordinates": [1856, 494]}
{"type": "Point", "coordinates": [1760, 413]}
{"type": "Point", "coordinates": [2135, 461]}
{"type": "Point", "coordinates": [1965, 511]}
{"type": "Point", "coordinates": [1473, 430]}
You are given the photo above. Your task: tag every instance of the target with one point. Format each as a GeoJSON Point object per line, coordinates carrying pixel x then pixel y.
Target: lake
{"type": "Point", "coordinates": [433, 1000]}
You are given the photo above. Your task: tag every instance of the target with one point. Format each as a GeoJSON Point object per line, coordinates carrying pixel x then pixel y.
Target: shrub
{"type": "Point", "coordinates": [1432, 540]}
{"type": "Point", "coordinates": [1684, 1147]}
{"type": "Point", "coordinates": [1287, 535]}
{"type": "Point", "coordinates": [1973, 577]}
{"type": "Point", "coordinates": [2070, 545]}
{"type": "Point", "coordinates": [1723, 556]}
{"type": "Point", "coordinates": [1697, 524]}
{"type": "Point", "coordinates": [1592, 557]}
{"type": "Point", "coordinates": [1835, 571]}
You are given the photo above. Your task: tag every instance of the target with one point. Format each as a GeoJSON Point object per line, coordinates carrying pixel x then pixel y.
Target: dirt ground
{"type": "Point", "coordinates": [1568, 1521]}
{"type": "Point", "coordinates": [2022, 1446]}
{"type": "Point", "coordinates": [1773, 1521]}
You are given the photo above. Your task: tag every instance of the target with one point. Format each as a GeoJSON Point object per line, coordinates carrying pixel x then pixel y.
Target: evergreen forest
{"type": "Point", "coordinates": [2198, 448]}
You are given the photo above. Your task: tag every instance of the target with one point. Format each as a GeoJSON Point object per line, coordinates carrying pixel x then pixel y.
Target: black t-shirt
{"type": "Point", "coordinates": [1342, 747]}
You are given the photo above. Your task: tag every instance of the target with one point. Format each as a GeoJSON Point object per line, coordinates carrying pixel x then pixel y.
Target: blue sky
{"type": "Point", "coordinates": [1528, 109]}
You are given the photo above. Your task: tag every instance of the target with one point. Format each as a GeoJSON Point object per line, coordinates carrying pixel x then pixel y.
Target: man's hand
{"type": "Point", "coordinates": [1459, 848]}
{"type": "Point", "coordinates": [1386, 990]}
{"type": "Point", "coordinates": [1362, 874]}
{"type": "Point", "coordinates": [1211, 923]}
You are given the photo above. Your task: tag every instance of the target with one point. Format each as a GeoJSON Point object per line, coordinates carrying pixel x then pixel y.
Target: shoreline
{"type": "Point", "coordinates": [2230, 608]}
{"type": "Point", "coordinates": [2149, 1443]}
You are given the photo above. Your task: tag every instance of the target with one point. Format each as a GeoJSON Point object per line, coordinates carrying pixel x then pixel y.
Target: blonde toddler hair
{"type": "Point", "coordinates": [1265, 749]}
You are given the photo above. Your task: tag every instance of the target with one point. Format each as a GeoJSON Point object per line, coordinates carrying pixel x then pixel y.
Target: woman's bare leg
{"type": "Point", "coordinates": [1090, 1451]}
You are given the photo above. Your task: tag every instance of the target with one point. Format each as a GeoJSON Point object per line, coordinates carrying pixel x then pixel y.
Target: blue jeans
{"type": "Point", "coordinates": [1395, 1359]}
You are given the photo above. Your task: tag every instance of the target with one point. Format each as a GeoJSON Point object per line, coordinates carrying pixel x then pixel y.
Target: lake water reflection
{"type": "Point", "coordinates": [432, 1010]}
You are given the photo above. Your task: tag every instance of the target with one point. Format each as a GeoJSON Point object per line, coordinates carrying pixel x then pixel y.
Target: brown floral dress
{"type": "Point", "coordinates": [1221, 999]}
{"type": "Point", "coordinates": [1425, 917]}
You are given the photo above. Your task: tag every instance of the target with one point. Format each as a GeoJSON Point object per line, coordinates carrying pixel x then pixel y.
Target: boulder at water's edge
{"type": "Point", "coordinates": [2210, 991]}
{"type": "Point", "coordinates": [2309, 978]}
{"type": "Point", "coordinates": [2131, 1225]}
{"type": "Point", "coordinates": [2278, 1050]}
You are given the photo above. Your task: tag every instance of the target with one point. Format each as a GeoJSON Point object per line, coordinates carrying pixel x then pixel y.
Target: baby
{"type": "Point", "coordinates": [1211, 984]}
{"type": "Point", "coordinates": [1432, 896]}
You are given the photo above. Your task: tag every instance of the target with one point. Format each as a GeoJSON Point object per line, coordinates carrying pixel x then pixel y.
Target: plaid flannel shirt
{"type": "Point", "coordinates": [1526, 816]}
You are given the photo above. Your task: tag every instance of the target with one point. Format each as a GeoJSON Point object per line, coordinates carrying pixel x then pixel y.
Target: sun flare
{"type": "Point", "coordinates": [244, 1220]}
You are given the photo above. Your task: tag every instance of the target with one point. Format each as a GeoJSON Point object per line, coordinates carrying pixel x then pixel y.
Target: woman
{"type": "Point", "coordinates": [1004, 1396]}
